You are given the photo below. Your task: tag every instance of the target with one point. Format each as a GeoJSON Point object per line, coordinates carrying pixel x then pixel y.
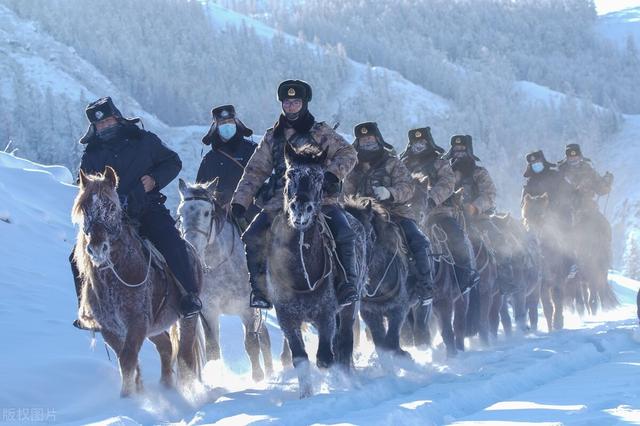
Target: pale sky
{"type": "Point", "coordinates": [607, 6]}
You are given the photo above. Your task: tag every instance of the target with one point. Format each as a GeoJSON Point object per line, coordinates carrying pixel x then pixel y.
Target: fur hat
{"type": "Point", "coordinates": [424, 133]}
{"type": "Point", "coordinates": [224, 112]}
{"type": "Point", "coordinates": [534, 157]}
{"type": "Point", "coordinates": [369, 128]}
{"type": "Point", "coordinates": [462, 140]}
{"type": "Point", "coordinates": [295, 89]}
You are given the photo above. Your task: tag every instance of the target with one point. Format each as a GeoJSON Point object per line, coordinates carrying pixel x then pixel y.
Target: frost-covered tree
{"type": "Point", "coordinates": [632, 256]}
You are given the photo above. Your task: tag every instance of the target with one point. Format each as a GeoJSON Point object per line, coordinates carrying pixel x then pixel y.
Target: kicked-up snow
{"type": "Point", "coordinates": [51, 373]}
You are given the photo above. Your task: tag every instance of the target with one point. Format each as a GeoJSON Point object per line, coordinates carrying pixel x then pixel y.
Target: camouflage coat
{"type": "Point", "coordinates": [268, 162]}
{"type": "Point", "coordinates": [479, 190]}
{"type": "Point", "coordinates": [389, 172]}
{"type": "Point", "coordinates": [433, 177]}
{"type": "Point", "coordinates": [585, 182]}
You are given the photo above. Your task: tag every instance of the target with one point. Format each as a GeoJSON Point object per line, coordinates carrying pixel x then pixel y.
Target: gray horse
{"type": "Point", "coordinates": [206, 225]}
{"type": "Point", "coordinates": [128, 291]}
{"type": "Point", "coordinates": [302, 268]}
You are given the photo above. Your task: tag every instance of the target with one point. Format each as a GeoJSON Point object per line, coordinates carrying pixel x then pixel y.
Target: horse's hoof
{"type": "Point", "coordinates": [166, 383]}
{"type": "Point", "coordinates": [257, 375]}
{"type": "Point", "coordinates": [400, 353]}
{"type": "Point", "coordinates": [324, 363]}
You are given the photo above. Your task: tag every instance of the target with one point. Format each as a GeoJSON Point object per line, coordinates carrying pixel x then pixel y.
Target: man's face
{"type": "Point", "coordinates": [459, 151]}
{"type": "Point", "coordinates": [292, 106]}
{"type": "Point", "coordinates": [368, 143]}
{"type": "Point", "coordinates": [106, 123]}
{"type": "Point", "coordinates": [573, 158]}
{"type": "Point", "coordinates": [418, 146]}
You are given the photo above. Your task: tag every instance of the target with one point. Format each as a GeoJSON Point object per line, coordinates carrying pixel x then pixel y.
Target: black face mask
{"type": "Point", "coordinates": [110, 133]}
{"type": "Point", "coordinates": [292, 118]}
{"type": "Point", "coordinates": [369, 156]}
{"type": "Point", "coordinates": [465, 164]}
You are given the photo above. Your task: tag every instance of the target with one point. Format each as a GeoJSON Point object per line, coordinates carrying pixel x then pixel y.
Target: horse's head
{"type": "Point", "coordinates": [534, 209]}
{"type": "Point", "coordinates": [97, 209]}
{"type": "Point", "coordinates": [303, 184]}
{"type": "Point", "coordinates": [197, 212]}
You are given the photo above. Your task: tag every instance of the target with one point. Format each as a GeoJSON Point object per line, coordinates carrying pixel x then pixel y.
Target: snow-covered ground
{"type": "Point", "coordinates": [587, 374]}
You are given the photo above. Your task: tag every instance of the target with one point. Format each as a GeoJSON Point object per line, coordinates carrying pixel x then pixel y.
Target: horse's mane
{"type": "Point", "coordinates": [371, 212]}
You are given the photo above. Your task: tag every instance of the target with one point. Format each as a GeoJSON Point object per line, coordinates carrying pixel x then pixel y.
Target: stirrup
{"type": "Point", "coordinates": [258, 301]}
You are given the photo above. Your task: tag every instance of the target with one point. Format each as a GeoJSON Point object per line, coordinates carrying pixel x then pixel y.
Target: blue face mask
{"type": "Point", "coordinates": [227, 130]}
{"type": "Point", "coordinates": [537, 167]}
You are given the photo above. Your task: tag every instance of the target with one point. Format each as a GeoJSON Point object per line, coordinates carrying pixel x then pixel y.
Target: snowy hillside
{"type": "Point", "coordinates": [50, 367]}
{"type": "Point", "coordinates": [621, 25]}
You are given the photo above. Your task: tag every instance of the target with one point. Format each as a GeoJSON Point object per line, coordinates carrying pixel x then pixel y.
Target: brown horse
{"type": "Point", "coordinates": [128, 292]}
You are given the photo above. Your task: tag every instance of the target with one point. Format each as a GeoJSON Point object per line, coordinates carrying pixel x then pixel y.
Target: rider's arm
{"type": "Point", "coordinates": [166, 162]}
{"type": "Point", "coordinates": [486, 200]}
{"type": "Point", "coordinates": [402, 187]}
{"type": "Point", "coordinates": [341, 156]}
{"type": "Point", "coordinates": [258, 169]}
{"type": "Point", "coordinates": [445, 184]}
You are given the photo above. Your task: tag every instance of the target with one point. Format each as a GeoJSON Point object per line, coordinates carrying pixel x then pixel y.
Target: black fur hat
{"type": "Point", "coordinates": [369, 128]}
{"type": "Point", "coordinates": [533, 157]}
{"type": "Point", "coordinates": [462, 140]}
{"type": "Point", "coordinates": [224, 112]}
{"type": "Point", "coordinates": [295, 89]}
{"type": "Point", "coordinates": [99, 110]}
{"type": "Point", "coordinates": [424, 133]}
{"type": "Point", "coordinates": [573, 149]}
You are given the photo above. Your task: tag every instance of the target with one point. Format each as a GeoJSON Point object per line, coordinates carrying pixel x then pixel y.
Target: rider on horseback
{"type": "Point", "coordinates": [542, 177]}
{"type": "Point", "coordinates": [434, 177]}
{"type": "Point", "coordinates": [297, 127]}
{"type": "Point", "coordinates": [144, 166]}
{"type": "Point", "coordinates": [479, 200]}
{"type": "Point", "coordinates": [230, 152]}
{"type": "Point", "coordinates": [380, 174]}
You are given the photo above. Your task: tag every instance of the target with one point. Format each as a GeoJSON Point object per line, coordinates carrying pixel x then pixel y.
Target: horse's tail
{"type": "Point", "coordinates": [199, 347]}
{"type": "Point", "coordinates": [608, 297]}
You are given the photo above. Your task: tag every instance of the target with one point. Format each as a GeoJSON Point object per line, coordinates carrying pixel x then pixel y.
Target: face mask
{"type": "Point", "coordinates": [537, 167]}
{"type": "Point", "coordinates": [418, 147]}
{"type": "Point", "coordinates": [109, 133]}
{"type": "Point", "coordinates": [463, 164]}
{"type": "Point", "coordinates": [227, 131]}
{"type": "Point", "coordinates": [367, 156]}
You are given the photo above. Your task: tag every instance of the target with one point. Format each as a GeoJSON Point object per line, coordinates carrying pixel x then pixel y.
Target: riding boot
{"type": "Point", "coordinates": [420, 249]}
{"type": "Point", "coordinates": [255, 250]}
{"type": "Point", "coordinates": [344, 237]}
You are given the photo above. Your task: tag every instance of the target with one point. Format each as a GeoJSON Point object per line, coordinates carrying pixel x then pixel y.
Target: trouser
{"type": "Point", "coordinates": [420, 248]}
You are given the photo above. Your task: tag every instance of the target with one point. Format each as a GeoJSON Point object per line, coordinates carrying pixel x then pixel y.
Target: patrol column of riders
{"type": "Point", "coordinates": [380, 174]}
{"type": "Point", "coordinates": [297, 127]}
{"type": "Point", "coordinates": [144, 166]}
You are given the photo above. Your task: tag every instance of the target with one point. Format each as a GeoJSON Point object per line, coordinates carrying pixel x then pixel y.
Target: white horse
{"type": "Point", "coordinates": [205, 223]}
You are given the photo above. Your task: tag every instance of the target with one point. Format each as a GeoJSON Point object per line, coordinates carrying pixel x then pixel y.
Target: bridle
{"type": "Point", "coordinates": [208, 233]}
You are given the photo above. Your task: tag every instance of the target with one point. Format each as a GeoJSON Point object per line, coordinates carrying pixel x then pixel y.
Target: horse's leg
{"type": "Point", "coordinates": [494, 314]}
{"type": "Point", "coordinates": [558, 317]}
{"type": "Point", "coordinates": [483, 325]}
{"type": "Point", "coordinates": [128, 359]}
{"type": "Point", "coordinates": [162, 343]}
{"type": "Point", "coordinates": [421, 331]}
{"type": "Point", "coordinates": [505, 318]}
{"type": "Point", "coordinates": [547, 305]}
{"type": "Point", "coordinates": [326, 326]}
{"type": "Point", "coordinates": [532, 307]}
{"type": "Point", "coordinates": [265, 348]}
{"type": "Point", "coordinates": [286, 359]}
{"type": "Point", "coordinates": [520, 309]}
{"type": "Point", "coordinates": [186, 350]}
{"type": "Point", "coordinates": [345, 337]}
{"type": "Point", "coordinates": [375, 324]}
{"type": "Point", "coordinates": [356, 329]}
{"type": "Point", "coordinates": [291, 328]}
{"type": "Point", "coordinates": [445, 315]}
{"type": "Point", "coordinates": [252, 344]}
{"type": "Point", "coordinates": [396, 318]}
{"type": "Point", "coordinates": [212, 334]}
{"type": "Point", "coordinates": [460, 321]}
{"type": "Point", "coordinates": [406, 332]}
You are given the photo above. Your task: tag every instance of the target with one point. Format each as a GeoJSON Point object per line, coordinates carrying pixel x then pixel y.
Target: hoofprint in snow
{"type": "Point", "coordinates": [589, 373]}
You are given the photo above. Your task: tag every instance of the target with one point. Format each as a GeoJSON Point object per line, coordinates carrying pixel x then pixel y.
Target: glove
{"type": "Point", "coordinates": [381, 193]}
{"type": "Point", "coordinates": [331, 184]}
{"type": "Point", "coordinates": [238, 210]}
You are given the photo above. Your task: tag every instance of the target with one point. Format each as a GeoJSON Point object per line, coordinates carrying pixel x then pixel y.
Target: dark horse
{"type": "Point", "coordinates": [128, 292]}
{"type": "Point", "coordinates": [449, 304]}
{"type": "Point", "coordinates": [523, 292]}
{"type": "Point", "coordinates": [388, 293]}
{"type": "Point", "coordinates": [302, 268]}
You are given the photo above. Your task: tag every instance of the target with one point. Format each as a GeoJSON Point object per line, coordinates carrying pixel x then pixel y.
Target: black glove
{"type": "Point", "coordinates": [331, 184]}
{"type": "Point", "coordinates": [238, 211]}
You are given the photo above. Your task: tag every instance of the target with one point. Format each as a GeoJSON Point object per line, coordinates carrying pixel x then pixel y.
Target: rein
{"type": "Point", "coordinates": [324, 231]}
{"type": "Point", "coordinates": [110, 266]}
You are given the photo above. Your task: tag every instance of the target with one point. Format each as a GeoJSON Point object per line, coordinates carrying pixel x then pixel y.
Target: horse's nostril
{"type": "Point", "coordinates": [105, 246]}
{"type": "Point", "coordinates": [309, 209]}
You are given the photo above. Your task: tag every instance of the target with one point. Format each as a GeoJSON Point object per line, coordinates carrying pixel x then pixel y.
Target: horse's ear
{"type": "Point", "coordinates": [84, 180]}
{"type": "Point", "coordinates": [213, 185]}
{"type": "Point", "coordinates": [110, 176]}
{"type": "Point", "coordinates": [368, 206]}
{"type": "Point", "coordinates": [182, 186]}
